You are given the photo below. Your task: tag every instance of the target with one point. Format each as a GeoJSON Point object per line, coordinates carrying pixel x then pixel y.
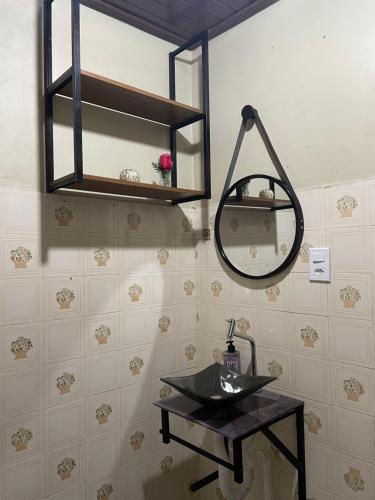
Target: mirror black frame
{"type": "Point", "coordinates": [298, 217]}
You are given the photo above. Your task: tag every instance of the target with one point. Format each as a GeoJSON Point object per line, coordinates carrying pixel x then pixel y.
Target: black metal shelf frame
{"type": "Point", "coordinates": [73, 76]}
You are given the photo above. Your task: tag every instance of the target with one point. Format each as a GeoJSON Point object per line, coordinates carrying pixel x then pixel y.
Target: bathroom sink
{"type": "Point", "coordinates": [217, 386]}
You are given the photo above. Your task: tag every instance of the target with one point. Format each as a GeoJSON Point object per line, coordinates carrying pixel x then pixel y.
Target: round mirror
{"type": "Point", "coordinates": [259, 226]}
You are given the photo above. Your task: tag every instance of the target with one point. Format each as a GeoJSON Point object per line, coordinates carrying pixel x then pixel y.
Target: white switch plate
{"type": "Point", "coordinates": [320, 264]}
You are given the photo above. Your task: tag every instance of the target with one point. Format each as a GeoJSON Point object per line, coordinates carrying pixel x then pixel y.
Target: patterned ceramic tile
{"type": "Point", "coordinates": [102, 372]}
{"type": "Point", "coordinates": [344, 244]}
{"type": "Point", "coordinates": [353, 433]}
{"type": "Point", "coordinates": [22, 301]}
{"type": "Point", "coordinates": [352, 341]}
{"type": "Point", "coordinates": [309, 335]}
{"type": "Point", "coordinates": [162, 255]}
{"type": "Point", "coordinates": [350, 295]}
{"type": "Point", "coordinates": [346, 205]}
{"type": "Point", "coordinates": [65, 425]}
{"type": "Point", "coordinates": [187, 287]}
{"type": "Point", "coordinates": [137, 477]}
{"type": "Point", "coordinates": [133, 221]}
{"type": "Point", "coordinates": [64, 382]}
{"type": "Point", "coordinates": [103, 412]}
{"type": "Point", "coordinates": [21, 391]}
{"type": "Point", "coordinates": [164, 358]}
{"type": "Point", "coordinates": [276, 364]}
{"type": "Point", "coordinates": [105, 485]}
{"type": "Point", "coordinates": [318, 422]}
{"type": "Point", "coordinates": [63, 339]}
{"type": "Point", "coordinates": [136, 403]}
{"type": "Point", "coordinates": [214, 287]}
{"type": "Point", "coordinates": [23, 480]}
{"type": "Point", "coordinates": [63, 257]}
{"type": "Point", "coordinates": [214, 319]}
{"type": "Point", "coordinates": [311, 378]}
{"type": "Point", "coordinates": [64, 214]}
{"type": "Point", "coordinates": [21, 256]}
{"type": "Point", "coordinates": [273, 293]}
{"type": "Point", "coordinates": [241, 291]}
{"type": "Point", "coordinates": [319, 466]}
{"type": "Point", "coordinates": [307, 297]}
{"type": "Point", "coordinates": [135, 365]}
{"type": "Point", "coordinates": [102, 452]}
{"type": "Point", "coordinates": [102, 218]}
{"type": "Point", "coordinates": [162, 289]}
{"type": "Point", "coordinates": [274, 327]}
{"type": "Point", "coordinates": [135, 291]}
{"type": "Point", "coordinates": [134, 255]}
{"type": "Point", "coordinates": [134, 328]}
{"type": "Point", "coordinates": [22, 437]}
{"type": "Point", "coordinates": [102, 294]}
{"type": "Point", "coordinates": [163, 323]}
{"type": "Point", "coordinates": [353, 387]}
{"type": "Point", "coordinates": [354, 478]}
{"type": "Point", "coordinates": [63, 297]}
{"type": "Point", "coordinates": [21, 346]}
{"type": "Point", "coordinates": [65, 467]}
{"type": "Point", "coordinates": [101, 256]}
{"type": "Point", "coordinates": [136, 438]}
{"type": "Point", "coordinates": [102, 332]}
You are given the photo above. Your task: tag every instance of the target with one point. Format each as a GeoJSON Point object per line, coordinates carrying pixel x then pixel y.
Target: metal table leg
{"type": "Point", "coordinates": [301, 454]}
{"type": "Point", "coordinates": [165, 426]}
{"type": "Point", "coordinates": [237, 461]}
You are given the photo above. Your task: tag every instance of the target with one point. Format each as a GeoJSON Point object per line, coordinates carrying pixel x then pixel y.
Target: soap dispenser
{"type": "Point", "coordinates": [232, 358]}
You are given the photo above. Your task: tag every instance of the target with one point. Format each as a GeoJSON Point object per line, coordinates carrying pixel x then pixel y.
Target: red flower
{"type": "Point", "coordinates": [165, 162]}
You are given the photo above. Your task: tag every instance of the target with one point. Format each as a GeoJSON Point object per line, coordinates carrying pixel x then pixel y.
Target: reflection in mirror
{"type": "Point", "coordinates": [256, 226]}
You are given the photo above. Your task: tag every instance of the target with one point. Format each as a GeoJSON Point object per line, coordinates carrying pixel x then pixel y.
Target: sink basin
{"type": "Point", "coordinates": [217, 386]}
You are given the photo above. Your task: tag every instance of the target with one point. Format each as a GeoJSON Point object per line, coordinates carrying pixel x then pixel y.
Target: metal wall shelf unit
{"type": "Point", "coordinates": [83, 86]}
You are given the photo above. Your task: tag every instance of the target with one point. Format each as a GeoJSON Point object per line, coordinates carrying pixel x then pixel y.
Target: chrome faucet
{"type": "Point", "coordinates": [252, 368]}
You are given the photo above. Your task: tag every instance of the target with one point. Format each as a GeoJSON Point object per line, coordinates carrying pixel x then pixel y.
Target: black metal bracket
{"type": "Point", "coordinates": [237, 466]}
{"type": "Point", "coordinates": [51, 88]}
{"type": "Point", "coordinates": [201, 39]}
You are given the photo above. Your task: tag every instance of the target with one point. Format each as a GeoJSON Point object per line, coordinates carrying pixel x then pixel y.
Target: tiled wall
{"type": "Point", "coordinates": [98, 300]}
{"type": "Point", "coordinates": [101, 298]}
{"type": "Point", "coordinates": [318, 339]}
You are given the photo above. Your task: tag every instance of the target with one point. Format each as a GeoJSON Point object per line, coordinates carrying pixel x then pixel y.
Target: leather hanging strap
{"type": "Point", "coordinates": [250, 116]}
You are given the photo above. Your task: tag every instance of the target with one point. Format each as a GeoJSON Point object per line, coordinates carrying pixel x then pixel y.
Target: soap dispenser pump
{"type": "Point", "coordinates": [232, 358]}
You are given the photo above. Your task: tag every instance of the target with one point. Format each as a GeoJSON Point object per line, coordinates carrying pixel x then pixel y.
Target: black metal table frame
{"type": "Point", "coordinates": [237, 465]}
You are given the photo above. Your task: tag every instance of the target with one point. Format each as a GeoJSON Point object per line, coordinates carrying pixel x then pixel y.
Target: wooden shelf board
{"type": "Point", "coordinates": [139, 189]}
{"type": "Point", "coordinates": [253, 202]}
{"type": "Point", "coordinates": [102, 91]}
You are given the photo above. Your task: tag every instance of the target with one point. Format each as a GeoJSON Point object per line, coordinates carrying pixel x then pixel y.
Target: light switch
{"type": "Point", "coordinates": [320, 264]}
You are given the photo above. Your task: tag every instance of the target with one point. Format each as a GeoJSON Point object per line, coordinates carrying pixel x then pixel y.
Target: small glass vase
{"type": "Point", "coordinates": [165, 179]}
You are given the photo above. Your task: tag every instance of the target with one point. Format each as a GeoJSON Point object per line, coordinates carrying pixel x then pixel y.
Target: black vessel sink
{"type": "Point", "coordinates": [217, 386]}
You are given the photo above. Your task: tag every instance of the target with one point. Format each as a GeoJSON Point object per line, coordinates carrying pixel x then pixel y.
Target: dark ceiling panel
{"type": "Point", "coordinates": [179, 20]}
{"type": "Point", "coordinates": [192, 11]}
{"type": "Point", "coordinates": [213, 6]}
{"type": "Point", "coordinates": [172, 34]}
{"type": "Point", "coordinates": [236, 4]}
{"type": "Point", "coordinates": [151, 9]}
{"type": "Point", "coordinates": [253, 8]}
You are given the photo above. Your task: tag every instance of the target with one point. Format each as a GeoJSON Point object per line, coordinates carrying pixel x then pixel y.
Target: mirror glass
{"type": "Point", "coordinates": [259, 226]}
